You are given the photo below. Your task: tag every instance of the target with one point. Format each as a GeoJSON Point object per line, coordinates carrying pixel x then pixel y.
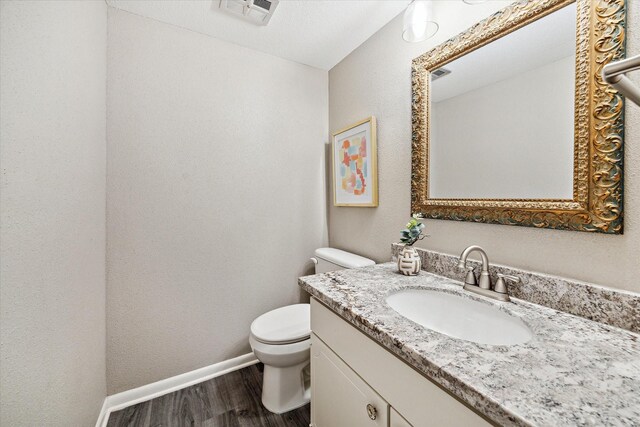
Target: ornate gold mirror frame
{"type": "Point", "coordinates": [599, 124]}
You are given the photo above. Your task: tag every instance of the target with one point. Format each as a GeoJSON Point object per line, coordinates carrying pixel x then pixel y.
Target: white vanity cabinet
{"type": "Point", "coordinates": [396, 420]}
{"type": "Point", "coordinates": [343, 398]}
{"type": "Point", "coordinates": [356, 382]}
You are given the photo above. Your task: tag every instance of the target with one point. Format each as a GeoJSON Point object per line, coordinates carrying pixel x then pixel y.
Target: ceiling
{"type": "Point", "coordinates": [319, 33]}
{"type": "Point", "coordinates": [536, 45]}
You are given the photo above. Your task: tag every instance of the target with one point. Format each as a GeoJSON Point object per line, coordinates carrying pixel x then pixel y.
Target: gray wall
{"type": "Point", "coordinates": [215, 198]}
{"type": "Point", "coordinates": [384, 90]}
{"type": "Point", "coordinates": [52, 209]}
{"type": "Point", "coordinates": [488, 168]}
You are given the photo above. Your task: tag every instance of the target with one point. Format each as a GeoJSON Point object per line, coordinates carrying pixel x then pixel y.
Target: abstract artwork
{"type": "Point", "coordinates": [355, 180]}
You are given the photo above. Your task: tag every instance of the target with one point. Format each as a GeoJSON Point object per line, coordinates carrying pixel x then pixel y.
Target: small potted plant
{"type": "Point", "coordinates": [409, 262]}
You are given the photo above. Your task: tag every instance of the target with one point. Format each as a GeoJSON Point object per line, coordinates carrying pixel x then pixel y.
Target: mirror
{"type": "Point", "coordinates": [502, 116]}
{"type": "Point", "coordinates": [512, 123]}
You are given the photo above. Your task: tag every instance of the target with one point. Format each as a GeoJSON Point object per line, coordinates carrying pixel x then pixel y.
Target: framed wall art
{"type": "Point", "coordinates": [355, 174]}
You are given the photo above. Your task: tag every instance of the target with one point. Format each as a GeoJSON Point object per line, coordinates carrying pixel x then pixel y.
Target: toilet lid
{"type": "Point", "coordinates": [283, 325]}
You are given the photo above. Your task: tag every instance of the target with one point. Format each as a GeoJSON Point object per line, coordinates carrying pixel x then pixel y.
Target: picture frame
{"type": "Point", "coordinates": [355, 165]}
{"type": "Point", "coordinates": [598, 165]}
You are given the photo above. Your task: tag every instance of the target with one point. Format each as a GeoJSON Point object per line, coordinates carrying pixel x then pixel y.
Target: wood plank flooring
{"type": "Point", "coordinates": [232, 400]}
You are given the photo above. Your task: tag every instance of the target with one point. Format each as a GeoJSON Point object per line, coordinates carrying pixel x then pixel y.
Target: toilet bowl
{"type": "Point", "coordinates": [280, 339]}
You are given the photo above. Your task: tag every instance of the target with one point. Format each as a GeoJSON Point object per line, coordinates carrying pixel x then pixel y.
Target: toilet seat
{"type": "Point", "coordinates": [285, 325]}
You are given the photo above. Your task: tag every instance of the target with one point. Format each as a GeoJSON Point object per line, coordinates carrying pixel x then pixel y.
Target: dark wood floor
{"type": "Point", "coordinates": [232, 400]}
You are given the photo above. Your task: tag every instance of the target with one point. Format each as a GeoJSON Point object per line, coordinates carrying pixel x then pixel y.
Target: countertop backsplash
{"type": "Point", "coordinates": [610, 306]}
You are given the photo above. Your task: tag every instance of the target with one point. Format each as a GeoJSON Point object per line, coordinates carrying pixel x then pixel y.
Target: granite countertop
{"type": "Point", "coordinates": [573, 371]}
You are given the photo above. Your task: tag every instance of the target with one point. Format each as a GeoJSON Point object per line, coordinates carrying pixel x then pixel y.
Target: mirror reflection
{"type": "Point", "coordinates": [502, 116]}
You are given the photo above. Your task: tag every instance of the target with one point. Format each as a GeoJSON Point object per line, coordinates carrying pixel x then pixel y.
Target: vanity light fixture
{"type": "Point", "coordinates": [417, 24]}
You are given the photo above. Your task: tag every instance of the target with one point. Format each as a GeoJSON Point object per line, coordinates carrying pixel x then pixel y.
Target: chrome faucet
{"type": "Point", "coordinates": [485, 280]}
{"type": "Point", "coordinates": [483, 286]}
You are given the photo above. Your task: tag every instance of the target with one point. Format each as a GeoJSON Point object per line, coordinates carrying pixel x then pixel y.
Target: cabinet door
{"type": "Point", "coordinates": [339, 397]}
{"type": "Point", "coordinates": [396, 420]}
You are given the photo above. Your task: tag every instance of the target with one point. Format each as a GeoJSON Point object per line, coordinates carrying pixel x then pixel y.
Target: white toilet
{"type": "Point", "coordinates": [281, 340]}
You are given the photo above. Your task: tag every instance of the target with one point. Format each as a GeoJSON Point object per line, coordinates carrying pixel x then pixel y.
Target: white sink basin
{"type": "Point", "coordinates": [459, 317]}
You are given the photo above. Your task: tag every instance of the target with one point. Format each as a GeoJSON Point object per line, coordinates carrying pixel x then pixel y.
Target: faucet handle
{"type": "Point", "coordinates": [501, 285]}
{"type": "Point", "coordinates": [470, 279]}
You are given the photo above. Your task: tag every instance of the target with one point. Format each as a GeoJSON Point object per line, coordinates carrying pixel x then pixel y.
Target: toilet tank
{"type": "Point", "coordinates": [330, 259]}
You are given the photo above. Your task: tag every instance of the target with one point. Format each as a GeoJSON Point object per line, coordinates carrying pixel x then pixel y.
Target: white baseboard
{"type": "Point", "coordinates": [103, 417]}
{"type": "Point", "coordinates": [127, 398]}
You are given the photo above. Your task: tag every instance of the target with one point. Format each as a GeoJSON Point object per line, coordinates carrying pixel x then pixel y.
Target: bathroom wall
{"type": "Point", "coordinates": [216, 194]}
{"type": "Point", "coordinates": [52, 209]}
{"type": "Point", "coordinates": [375, 80]}
{"type": "Point", "coordinates": [502, 127]}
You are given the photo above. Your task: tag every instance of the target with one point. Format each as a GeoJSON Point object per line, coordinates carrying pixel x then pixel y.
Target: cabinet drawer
{"type": "Point", "coordinates": [420, 401]}
{"type": "Point", "coordinates": [340, 397]}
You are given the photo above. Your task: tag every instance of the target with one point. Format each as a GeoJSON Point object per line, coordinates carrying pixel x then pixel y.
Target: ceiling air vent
{"type": "Point", "coordinates": [440, 72]}
{"type": "Point", "coordinates": [256, 11]}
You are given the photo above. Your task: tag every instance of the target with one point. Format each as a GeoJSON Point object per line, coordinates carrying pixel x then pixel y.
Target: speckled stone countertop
{"type": "Point", "coordinates": [573, 372]}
